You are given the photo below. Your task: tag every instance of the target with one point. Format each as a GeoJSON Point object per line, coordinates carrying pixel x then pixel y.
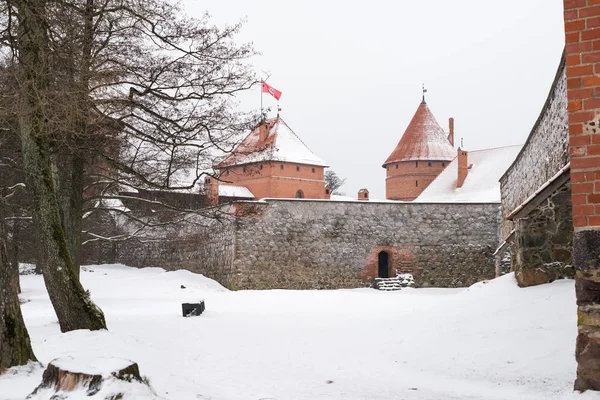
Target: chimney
{"type": "Point", "coordinates": [363, 195]}
{"type": "Point", "coordinates": [463, 167]}
{"type": "Point", "coordinates": [263, 131]}
{"type": "Point", "coordinates": [451, 134]}
{"type": "Point", "coordinates": [211, 190]}
{"type": "Point", "coordinates": [327, 192]}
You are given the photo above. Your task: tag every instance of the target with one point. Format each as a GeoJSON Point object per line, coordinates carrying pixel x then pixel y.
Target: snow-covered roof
{"type": "Point", "coordinates": [424, 139]}
{"type": "Point", "coordinates": [234, 191]}
{"type": "Point", "coordinates": [281, 144]}
{"type": "Point", "coordinates": [481, 184]}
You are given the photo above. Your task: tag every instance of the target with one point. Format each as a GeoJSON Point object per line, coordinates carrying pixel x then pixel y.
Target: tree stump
{"type": "Point", "coordinates": [85, 374]}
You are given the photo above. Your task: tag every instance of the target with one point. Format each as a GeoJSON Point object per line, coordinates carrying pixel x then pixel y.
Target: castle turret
{"type": "Point", "coordinates": [422, 154]}
{"type": "Point", "coordinates": [272, 161]}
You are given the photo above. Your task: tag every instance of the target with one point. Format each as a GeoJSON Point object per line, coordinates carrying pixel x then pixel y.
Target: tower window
{"type": "Point", "coordinates": [261, 167]}
{"type": "Point", "coordinates": [313, 170]}
{"type": "Point", "coordinates": [297, 169]}
{"type": "Point", "coordinates": [227, 172]}
{"type": "Point", "coordinates": [396, 165]}
{"type": "Point", "coordinates": [244, 169]}
{"type": "Point", "coordinates": [281, 167]}
{"type": "Point", "coordinates": [443, 164]}
{"type": "Point", "coordinates": [416, 164]}
{"type": "Point", "coordinates": [429, 164]}
{"type": "Point", "coordinates": [417, 183]}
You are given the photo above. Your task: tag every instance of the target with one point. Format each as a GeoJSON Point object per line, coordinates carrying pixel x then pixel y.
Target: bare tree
{"type": "Point", "coordinates": [333, 181]}
{"type": "Point", "coordinates": [31, 48]}
{"type": "Point", "coordinates": [115, 95]}
{"type": "Point", "coordinates": [154, 108]}
{"type": "Point", "coordinates": [15, 345]}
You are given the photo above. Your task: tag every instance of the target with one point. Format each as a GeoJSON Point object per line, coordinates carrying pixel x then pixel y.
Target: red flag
{"type": "Point", "coordinates": [271, 90]}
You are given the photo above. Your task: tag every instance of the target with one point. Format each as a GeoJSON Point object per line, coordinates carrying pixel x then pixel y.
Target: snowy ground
{"type": "Point", "coordinates": [491, 341]}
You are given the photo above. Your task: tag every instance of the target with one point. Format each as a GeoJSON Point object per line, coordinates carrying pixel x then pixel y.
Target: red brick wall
{"type": "Point", "coordinates": [276, 182]}
{"type": "Point", "coordinates": [401, 178]}
{"type": "Point", "coordinates": [400, 261]}
{"type": "Point", "coordinates": [582, 33]}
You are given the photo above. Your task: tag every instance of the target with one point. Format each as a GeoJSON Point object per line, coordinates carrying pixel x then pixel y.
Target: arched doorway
{"type": "Point", "coordinates": [383, 261]}
{"type": "Point", "coordinates": [299, 194]}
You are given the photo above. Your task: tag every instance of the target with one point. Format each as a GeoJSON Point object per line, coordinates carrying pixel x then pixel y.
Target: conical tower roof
{"type": "Point", "coordinates": [424, 139]}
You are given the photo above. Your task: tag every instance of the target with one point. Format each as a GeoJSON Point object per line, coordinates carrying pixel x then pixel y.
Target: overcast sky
{"type": "Point", "coordinates": [351, 71]}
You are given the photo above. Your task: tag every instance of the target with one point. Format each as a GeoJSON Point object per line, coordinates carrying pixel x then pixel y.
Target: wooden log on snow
{"type": "Point", "coordinates": [88, 374]}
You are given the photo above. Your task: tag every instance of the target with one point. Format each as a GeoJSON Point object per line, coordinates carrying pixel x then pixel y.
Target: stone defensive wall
{"type": "Point", "coordinates": [304, 244]}
{"type": "Point", "coordinates": [201, 245]}
{"type": "Point", "coordinates": [545, 152]}
{"type": "Point", "coordinates": [536, 196]}
{"type": "Point", "coordinates": [320, 244]}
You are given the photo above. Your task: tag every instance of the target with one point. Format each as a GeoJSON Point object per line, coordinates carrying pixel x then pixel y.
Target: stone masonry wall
{"type": "Point", "coordinates": [544, 241]}
{"type": "Point", "coordinates": [323, 244]}
{"type": "Point", "coordinates": [205, 248]}
{"type": "Point", "coordinates": [545, 152]}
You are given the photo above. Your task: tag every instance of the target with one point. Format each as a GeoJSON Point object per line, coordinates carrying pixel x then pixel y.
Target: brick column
{"type": "Point", "coordinates": [582, 32]}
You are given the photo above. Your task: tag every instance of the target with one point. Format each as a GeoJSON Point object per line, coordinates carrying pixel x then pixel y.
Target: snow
{"type": "Point", "coordinates": [493, 340]}
{"type": "Point", "coordinates": [234, 191]}
{"type": "Point", "coordinates": [103, 366]}
{"type": "Point", "coordinates": [482, 183]}
{"type": "Point", "coordinates": [281, 145]}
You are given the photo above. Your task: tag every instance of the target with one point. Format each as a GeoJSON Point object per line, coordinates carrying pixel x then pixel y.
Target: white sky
{"type": "Point", "coordinates": [351, 71]}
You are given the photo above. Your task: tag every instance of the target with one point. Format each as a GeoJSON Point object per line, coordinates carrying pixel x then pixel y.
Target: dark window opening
{"type": "Point", "coordinates": [299, 194]}
{"type": "Point", "coordinates": [443, 164]}
{"type": "Point", "coordinates": [298, 169]}
{"type": "Point", "coordinates": [313, 170]}
{"type": "Point", "coordinates": [261, 166]}
{"type": "Point", "coordinates": [281, 166]}
{"type": "Point", "coordinates": [326, 191]}
{"type": "Point", "coordinates": [417, 183]}
{"type": "Point", "coordinates": [429, 165]}
{"type": "Point", "coordinates": [383, 261]}
{"type": "Point", "coordinates": [244, 169]}
{"type": "Point", "coordinates": [396, 165]}
{"type": "Point", "coordinates": [416, 164]}
{"type": "Point", "coordinates": [366, 195]}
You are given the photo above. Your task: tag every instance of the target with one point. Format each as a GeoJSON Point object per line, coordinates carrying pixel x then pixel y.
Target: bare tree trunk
{"type": "Point", "coordinates": [14, 254]}
{"type": "Point", "coordinates": [72, 303]}
{"type": "Point", "coordinates": [15, 346]}
{"type": "Point", "coordinates": [70, 189]}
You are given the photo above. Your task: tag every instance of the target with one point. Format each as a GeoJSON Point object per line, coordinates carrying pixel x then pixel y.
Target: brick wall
{"type": "Point", "coordinates": [278, 179]}
{"type": "Point", "coordinates": [402, 177]}
{"type": "Point", "coordinates": [582, 35]}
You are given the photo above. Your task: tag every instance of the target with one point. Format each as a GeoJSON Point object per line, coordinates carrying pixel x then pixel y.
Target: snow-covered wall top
{"type": "Point", "coordinates": [545, 152]}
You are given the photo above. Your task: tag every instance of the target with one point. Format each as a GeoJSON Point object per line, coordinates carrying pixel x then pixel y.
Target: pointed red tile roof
{"type": "Point", "coordinates": [281, 144]}
{"type": "Point", "coordinates": [424, 139]}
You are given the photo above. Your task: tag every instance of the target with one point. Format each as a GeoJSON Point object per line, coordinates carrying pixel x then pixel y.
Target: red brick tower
{"type": "Point", "coordinates": [272, 161]}
{"type": "Point", "coordinates": [422, 154]}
